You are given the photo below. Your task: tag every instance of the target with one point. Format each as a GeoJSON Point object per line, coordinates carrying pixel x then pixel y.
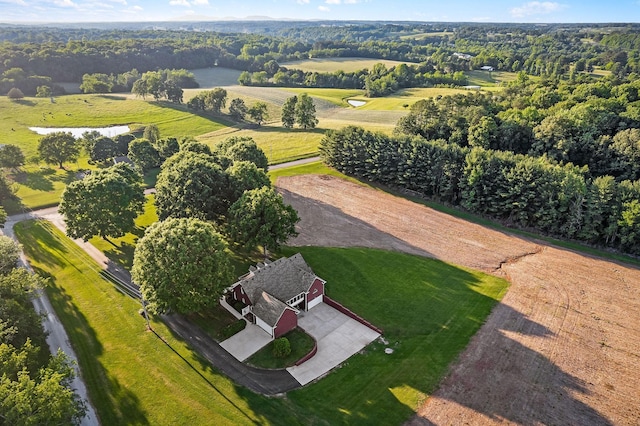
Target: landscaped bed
{"type": "Point", "coordinates": [301, 344]}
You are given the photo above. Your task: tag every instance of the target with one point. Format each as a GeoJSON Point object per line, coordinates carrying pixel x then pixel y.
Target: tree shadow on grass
{"type": "Point", "coordinates": [39, 180]}
{"type": "Point", "coordinates": [113, 402]}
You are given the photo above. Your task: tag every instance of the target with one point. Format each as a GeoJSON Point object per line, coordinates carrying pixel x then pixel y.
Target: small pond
{"type": "Point", "coordinates": [78, 131]}
{"type": "Point", "coordinates": [355, 103]}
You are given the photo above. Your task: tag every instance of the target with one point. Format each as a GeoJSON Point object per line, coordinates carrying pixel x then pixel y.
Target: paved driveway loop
{"type": "Point", "coordinates": [338, 336]}
{"type": "Point", "coordinates": [247, 342]}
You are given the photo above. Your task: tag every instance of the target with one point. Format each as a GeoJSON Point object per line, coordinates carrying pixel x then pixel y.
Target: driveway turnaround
{"type": "Point", "coordinates": [338, 337]}
{"type": "Point", "coordinates": [246, 342]}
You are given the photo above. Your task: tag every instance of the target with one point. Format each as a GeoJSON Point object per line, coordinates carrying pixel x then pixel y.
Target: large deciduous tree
{"type": "Point", "coordinates": [11, 156]}
{"type": "Point", "coordinates": [192, 184]}
{"type": "Point", "coordinates": [260, 217]}
{"type": "Point", "coordinates": [258, 112]}
{"type": "Point", "coordinates": [238, 109]}
{"type": "Point", "coordinates": [242, 149]}
{"type": "Point", "coordinates": [104, 203]}
{"type": "Point", "coordinates": [58, 147]}
{"type": "Point", "coordinates": [9, 254]}
{"type": "Point", "coordinates": [143, 154]}
{"type": "Point", "coordinates": [181, 265]}
{"type": "Point", "coordinates": [305, 112]}
{"type": "Point", "coordinates": [289, 112]}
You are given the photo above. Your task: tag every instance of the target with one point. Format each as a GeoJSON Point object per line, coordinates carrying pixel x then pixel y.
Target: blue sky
{"type": "Point", "coordinates": [413, 10]}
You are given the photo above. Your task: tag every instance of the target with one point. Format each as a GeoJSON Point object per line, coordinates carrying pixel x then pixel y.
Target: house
{"type": "Point", "coordinates": [487, 68]}
{"type": "Point", "coordinates": [275, 293]}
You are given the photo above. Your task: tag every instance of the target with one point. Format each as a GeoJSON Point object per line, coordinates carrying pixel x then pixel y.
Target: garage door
{"type": "Point", "coordinates": [315, 302]}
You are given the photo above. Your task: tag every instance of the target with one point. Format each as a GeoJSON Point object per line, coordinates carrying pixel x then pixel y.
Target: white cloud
{"type": "Point", "coordinates": [200, 2]}
{"type": "Point", "coordinates": [65, 3]}
{"type": "Point", "coordinates": [333, 1]}
{"type": "Point", "coordinates": [18, 2]}
{"type": "Point", "coordinates": [302, 1]}
{"type": "Point", "coordinates": [536, 8]}
{"type": "Point", "coordinates": [324, 9]}
{"type": "Point", "coordinates": [179, 3]}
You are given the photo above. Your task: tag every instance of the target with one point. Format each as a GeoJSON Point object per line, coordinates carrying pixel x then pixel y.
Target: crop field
{"type": "Point", "coordinates": [338, 64]}
{"type": "Point", "coordinates": [561, 346]}
{"type": "Point", "coordinates": [490, 79]}
{"type": "Point", "coordinates": [420, 36]}
{"type": "Point", "coordinates": [216, 77]}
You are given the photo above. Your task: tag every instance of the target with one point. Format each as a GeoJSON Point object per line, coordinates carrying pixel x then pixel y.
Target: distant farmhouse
{"type": "Point", "coordinates": [275, 293]}
{"type": "Point", "coordinates": [464, 56]}
{"type": "Point", "coordinates": [487, 68]}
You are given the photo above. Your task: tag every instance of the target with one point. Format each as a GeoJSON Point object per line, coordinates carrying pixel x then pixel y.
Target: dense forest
{"type": "Point", "coordinates": [561, 158]}
{"type": "Point", "coordinates": [36, 56]}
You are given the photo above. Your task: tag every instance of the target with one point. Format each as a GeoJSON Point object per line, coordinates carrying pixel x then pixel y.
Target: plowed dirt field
{"type": "Point", "coordinates": [563, 346]}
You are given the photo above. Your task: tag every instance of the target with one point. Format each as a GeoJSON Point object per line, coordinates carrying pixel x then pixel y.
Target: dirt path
{"type": "Point", "coordinates": [562, 347]}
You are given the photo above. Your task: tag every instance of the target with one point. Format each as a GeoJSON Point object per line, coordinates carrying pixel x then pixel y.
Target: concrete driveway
{"type": "Point", "coordinates": [246, 342]}
{"type": "Point", "coordinates": [338, 337]}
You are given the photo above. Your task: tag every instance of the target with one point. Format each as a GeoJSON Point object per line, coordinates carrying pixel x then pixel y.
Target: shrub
{"type": "Point", "coordinates": [15, 93]}
{"type": "Point", "coordinates": [281, 347]}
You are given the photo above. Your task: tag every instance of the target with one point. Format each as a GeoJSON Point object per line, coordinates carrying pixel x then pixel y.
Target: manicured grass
{"type": "Point", "coordinates": [338, 64]}
{"type": "Point", "coordinates": [398, 100]}
{"type": "Point", "coordinates": [301, 344]}
{"type": "Point", "coordinates": [335, 96]}
{"type": "Point", "coordinates": [120, 250]}
{"type": "Point", "coordinates": [95, 111]}
{"type": "Point", "coordinates": [485, 78]}
{"type": "Point", "coordinates": [428, 310]}
{"type": "Point", "coordinates": [218, 323]}
{"type": "Point", "coordinates": [315, 168]}
{"type": "Point", "coordinates": [278, 143]}
{"type": "Point", "coordinates": [132, 375]}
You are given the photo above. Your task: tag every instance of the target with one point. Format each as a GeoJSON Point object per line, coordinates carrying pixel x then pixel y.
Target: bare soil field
{"type": "Point", "coordinates": [563, 346]}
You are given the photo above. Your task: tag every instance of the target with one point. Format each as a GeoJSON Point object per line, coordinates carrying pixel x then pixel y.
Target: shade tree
{"type": "Point", "coordinates": [192, 184]}
{"type": "Point", "coordinates": [181, 265]}
{"type": "Point", "coordinates": [58, 147]}
{"type": "Point", "coordinates": [105, 203]}
{"type": "Point", "coordinates": [11, 156]}
{"type": "Point", "coordinates": [260, 217]}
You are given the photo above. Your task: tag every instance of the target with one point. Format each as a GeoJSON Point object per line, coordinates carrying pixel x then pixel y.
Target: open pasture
{"type": "Point", "coordinates": [338, 64]}
{"type": "Point", "coordinates": [490, 79]}
{"type": "Point", "coordinates": [95, 111]}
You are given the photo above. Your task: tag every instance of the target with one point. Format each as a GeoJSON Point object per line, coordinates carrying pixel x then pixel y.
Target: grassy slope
{"type": "Point", "coordinates": [442, 307]}
{"type": "Point", "coordinates": [338, 64]}
{"type": "Point", "coordinates": [134, 377]}
{"type": "Point", "coordinates": [39, 185]}
{"type": "Point", "coordinates": [428, 310]}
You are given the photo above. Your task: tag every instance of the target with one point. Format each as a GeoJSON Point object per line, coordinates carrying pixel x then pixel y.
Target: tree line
{"type": "Point", "coordinates": [531, 192]}
{"type": "Point", "coordinates": [32, 60]}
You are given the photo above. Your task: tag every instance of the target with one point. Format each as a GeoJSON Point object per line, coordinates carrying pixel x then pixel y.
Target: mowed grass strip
{"type": "Point", "coordinates": [349, 64]}
{"type": "Point", "coordinates": [428, 310]}
{"type": "Point", "coordinates": [134, 377]}
{"type": "Point", "coordinates": [96, 111]}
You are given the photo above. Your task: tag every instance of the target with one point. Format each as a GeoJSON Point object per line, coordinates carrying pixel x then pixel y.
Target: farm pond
{"type": "Point", "coordinates": [78, 131]}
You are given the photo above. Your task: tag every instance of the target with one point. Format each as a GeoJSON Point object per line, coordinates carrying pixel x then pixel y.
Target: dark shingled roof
{"type": "Point", "coordinates": [284, 279]}
{"type": "Point", "coordinates": [267, 308]}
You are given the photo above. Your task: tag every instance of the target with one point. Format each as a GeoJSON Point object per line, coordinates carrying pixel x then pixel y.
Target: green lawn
{"type": "Point", "coordinates": [278, 143]}
{"type": "Point", "coordinates": [338, 64]}
{"type": "Point", "coordinates": [301, 344]}
{"type": "Point", "coordinates": [335, 96]}
{"type": "Point", "coordinates": [488, 79]}
{"type": "Point", "coordinates": [133, 376]}
{"type": "Point", "coordinates": [95, 111]}
{"type": "Point", "coordinates": [428, 310]}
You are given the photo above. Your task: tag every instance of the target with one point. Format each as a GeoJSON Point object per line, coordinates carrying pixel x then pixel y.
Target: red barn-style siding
{"type": "Point", "coordinates": [239, 294]}
{"type": "Point", "coordinates": [316, 290]}
{"type": "Point", "coordinates": [287, 322]}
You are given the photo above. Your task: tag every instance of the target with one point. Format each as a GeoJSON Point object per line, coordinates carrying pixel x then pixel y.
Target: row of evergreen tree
{"type": "Point", "coordinates": [531, 192]}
